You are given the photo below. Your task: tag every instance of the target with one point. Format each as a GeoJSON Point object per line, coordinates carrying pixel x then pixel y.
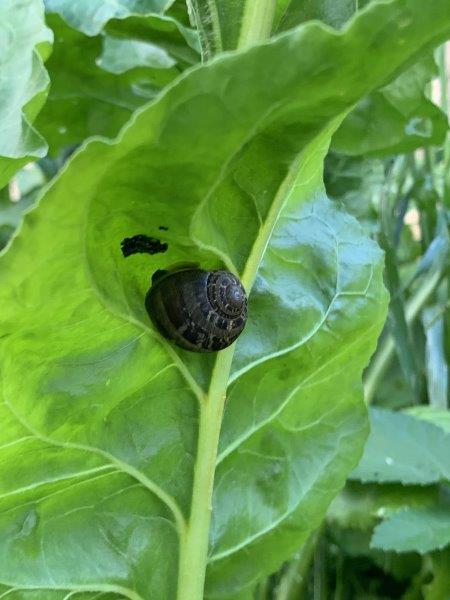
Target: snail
{"type": "Point", "coordinates": [199, 310]}
{"type": "Point", "coordinates": [202, 311]}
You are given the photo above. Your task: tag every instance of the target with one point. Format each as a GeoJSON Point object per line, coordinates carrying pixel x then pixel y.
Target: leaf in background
{"type": "Point", "coordinates": [414, 530]}
{"type": "Point", "coordinates": [26, 43]}
{"type": "Point", "coordinates": [232, 164]}
{"type": "Point", "coordinates": [87, 100]}
{"type": "Point", "coordinates": [90, 16]}
{"type": "Point", "coordinates": [98, 81]}
{"type": "Point", "coordinates": [405, 449]}
{"type": "Point", "coordinates": [395, 119]}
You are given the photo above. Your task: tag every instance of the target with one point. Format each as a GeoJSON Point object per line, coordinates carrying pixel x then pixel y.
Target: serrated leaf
{"type": "Point", "coordinates": [414, 530]}
{"type": "Point", "coordinates": [24, 81]}
{"type": "Point", "coordinates": [405, 449]}
{"type": "Point", "coordinates": [232, 165]}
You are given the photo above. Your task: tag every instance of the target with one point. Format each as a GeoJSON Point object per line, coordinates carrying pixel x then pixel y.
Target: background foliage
{"type": "Point", "coordinates": [289, 162]}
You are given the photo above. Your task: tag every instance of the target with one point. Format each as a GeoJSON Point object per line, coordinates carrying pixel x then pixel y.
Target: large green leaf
{"type": "Point", "coordinates": [103, 415]}
{"type": "Point", "coordinates": [25, 43]}
{"type": "Point", "coordinates": [405, 449]}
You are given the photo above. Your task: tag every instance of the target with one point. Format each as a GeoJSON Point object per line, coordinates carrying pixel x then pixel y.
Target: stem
{"type": "Point", "coordinates": [194, 545]}
{"type": "Point", "coordinates": [384, 356]}
{"type": "Point", "coordinates": [256, 22]}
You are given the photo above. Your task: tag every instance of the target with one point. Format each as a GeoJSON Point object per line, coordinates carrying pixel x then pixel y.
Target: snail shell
{"type": "Point", "coordinates": [202, 311]}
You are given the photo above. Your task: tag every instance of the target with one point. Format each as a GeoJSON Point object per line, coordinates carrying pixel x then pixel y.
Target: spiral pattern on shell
{"type": "Point", "coordinates": [202, 311]}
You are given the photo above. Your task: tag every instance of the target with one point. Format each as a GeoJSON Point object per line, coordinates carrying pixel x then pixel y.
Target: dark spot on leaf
{"type": "Point", "coordinates": [163, 228]}
{"type": "Point", "coordinates": [142, 244]}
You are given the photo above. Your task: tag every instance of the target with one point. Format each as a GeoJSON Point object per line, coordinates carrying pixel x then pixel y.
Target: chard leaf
{"type": "Point", "coordinates": [26, 43]}
{"type": "Point", "coordinates": [127, 424]}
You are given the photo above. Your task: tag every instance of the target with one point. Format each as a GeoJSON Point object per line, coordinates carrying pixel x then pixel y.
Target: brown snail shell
{"type": "Point", "coordinates": [201, 311]}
